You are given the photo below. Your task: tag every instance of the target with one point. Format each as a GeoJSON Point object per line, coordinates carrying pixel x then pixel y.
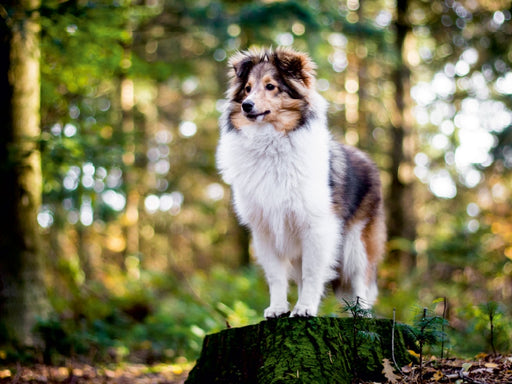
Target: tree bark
{"type": "Point", "coordinates": [132, 174]}
{"type": "Point", "coordinates": [22, 293]}
{"type": "Point", "coordinates": [401, 216]}
{"type": "Point", "coordinates": [301, 350]}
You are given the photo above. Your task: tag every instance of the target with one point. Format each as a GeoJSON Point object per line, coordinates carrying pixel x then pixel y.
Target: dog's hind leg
{"type": "Point", "coordinates": [374, 242]}
{"type": "Point", "coordinates": [354, 267]}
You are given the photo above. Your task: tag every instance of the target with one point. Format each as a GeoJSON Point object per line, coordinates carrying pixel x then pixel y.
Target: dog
{"type": "Point", "coordinates": [313, 205]}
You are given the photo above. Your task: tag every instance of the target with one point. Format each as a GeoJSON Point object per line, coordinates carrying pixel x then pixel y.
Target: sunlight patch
{"type": "Point", "coordinates": [442, 185]}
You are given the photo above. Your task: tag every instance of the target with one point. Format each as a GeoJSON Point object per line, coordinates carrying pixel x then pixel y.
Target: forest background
{"type": "Point", "coordinates": [118, 240]}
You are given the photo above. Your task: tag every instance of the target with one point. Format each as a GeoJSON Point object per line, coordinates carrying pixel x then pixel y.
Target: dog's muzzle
{"type": "Point", "coordinates": [250, 112]}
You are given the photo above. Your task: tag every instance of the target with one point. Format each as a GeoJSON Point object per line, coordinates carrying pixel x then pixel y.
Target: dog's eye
{"type": "Point", "coordinates": [270, 87]}
{"type": "Point", "coordinates": [248, 89]}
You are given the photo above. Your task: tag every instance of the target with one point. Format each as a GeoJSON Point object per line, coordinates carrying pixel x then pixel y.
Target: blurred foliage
{"type": "Point", "coordinates": [161, 323]}
{"type": "Point", "coordinates": [143, 250]}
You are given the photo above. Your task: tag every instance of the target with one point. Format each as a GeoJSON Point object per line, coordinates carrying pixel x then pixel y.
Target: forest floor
{"type": "Point", "coordinates": [79, 373]}
{"type": "Point", "coordinates": [484, 369]}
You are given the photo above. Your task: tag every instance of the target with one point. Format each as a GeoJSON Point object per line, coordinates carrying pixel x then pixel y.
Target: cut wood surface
{"type": "Point", "coordinates": [302, 350]}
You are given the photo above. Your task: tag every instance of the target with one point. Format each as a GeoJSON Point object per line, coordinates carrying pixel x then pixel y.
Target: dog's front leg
{"type": "Point", "coordinates": [318, 257]}
{"type": "Point", "coordinates": [276, 273]}
{"type": "Point", "coordinates": [278, 287]}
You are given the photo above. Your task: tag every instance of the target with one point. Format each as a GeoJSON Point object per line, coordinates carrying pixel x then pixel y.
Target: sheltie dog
{"type": "Point", "coordinates": [313, 206]}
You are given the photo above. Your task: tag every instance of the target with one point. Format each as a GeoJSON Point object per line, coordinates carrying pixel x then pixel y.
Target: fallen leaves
{"type": "Point", "coordinates": [389, 372]}
{"type": "Point", "coordinates": [488, 369]}
{"type": "Point", "coordinates": [88, 374]}
{"type": "Point", "coordinates": [5, 373]}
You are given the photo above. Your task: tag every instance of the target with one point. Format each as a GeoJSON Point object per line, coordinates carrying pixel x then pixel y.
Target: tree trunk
{"type": "Point", "coordinates": [301, 350]}
{"type": "Point", "coordinates": [22, 292]}
{"type": "Point", "coordinates": [401, 217]}
{"type": "Point", "coordinates": [131, 174]}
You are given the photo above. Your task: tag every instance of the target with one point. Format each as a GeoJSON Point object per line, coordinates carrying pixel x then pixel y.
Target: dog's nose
{"type": "Point", "coordinates": [247, 105]}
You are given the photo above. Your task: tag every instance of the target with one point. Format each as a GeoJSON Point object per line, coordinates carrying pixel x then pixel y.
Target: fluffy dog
{"type": "Point", "coordinates": [314, 206]}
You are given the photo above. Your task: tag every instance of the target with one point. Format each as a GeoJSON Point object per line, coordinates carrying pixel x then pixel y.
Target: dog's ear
{"type": "Point", "coordinates": [241, 64]}
{"type": "Point", "coordinates": [295, 65]}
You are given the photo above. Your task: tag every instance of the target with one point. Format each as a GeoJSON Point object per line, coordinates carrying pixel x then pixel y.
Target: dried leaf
{"type": "Point", "coordinates": [389, 372]}
{"type": "Point", "coordinates": [407, 368]}
{"type": "Point", "coordinates": [438, 375]}
{"type": "Point", "coordinates": [5, 373]}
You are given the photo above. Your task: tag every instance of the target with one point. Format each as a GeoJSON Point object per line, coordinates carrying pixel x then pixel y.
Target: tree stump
{"type": "Point", "coordinates": [302, 350]}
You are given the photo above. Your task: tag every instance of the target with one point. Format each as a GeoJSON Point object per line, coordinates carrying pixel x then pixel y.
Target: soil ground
{"type": "Point", "coordinates": [484, 368]}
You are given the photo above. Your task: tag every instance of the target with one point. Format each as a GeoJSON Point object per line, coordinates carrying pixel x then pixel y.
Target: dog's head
{"type": "Point", "coordinates": [270, 86]}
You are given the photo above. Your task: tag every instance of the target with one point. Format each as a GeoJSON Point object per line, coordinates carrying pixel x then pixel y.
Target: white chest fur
{"type": "Point", "coordinates": [279, 180]}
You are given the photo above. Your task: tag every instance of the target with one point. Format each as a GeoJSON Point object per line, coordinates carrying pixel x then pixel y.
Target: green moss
{"type": "Point", "coordinates": [299, 350]}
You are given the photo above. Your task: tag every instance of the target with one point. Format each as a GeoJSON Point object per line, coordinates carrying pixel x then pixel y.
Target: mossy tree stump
{"type": "Point", "coordinates": [302, 350]}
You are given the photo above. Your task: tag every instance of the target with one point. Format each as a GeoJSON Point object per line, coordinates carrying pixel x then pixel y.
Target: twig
{"type": "Point", "coordinates": [463, 373]}
{"type": "Point", "coordinates": [465, 377]}
{"type": "Point", "coordinates": [354, 330]}
{"type": "Point", "coordinates": [445, 305]}
{"type": "Point", "coordinates": [18, 373]}
{"type": "Point", "coordinates": [491, 318]}
{"type": "Point", "coordinates": [393, 343]}
{"type": "Point", "coordinates": [422, 341]}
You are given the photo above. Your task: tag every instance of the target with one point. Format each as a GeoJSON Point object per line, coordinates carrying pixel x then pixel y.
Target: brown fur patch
{"type": "Point", "coordinates": [356, 195]}
{"type": "Point", "coordinates": [374, 239]}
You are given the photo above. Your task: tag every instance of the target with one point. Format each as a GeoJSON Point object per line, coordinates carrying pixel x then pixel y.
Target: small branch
{"type": "Point", "coordinates": [445, 306]}
{"type": "Point", "coordinates": [491, 318]}
{"type": "Point", "coordinates": [422, 341]}
{"type": "Point", "coordinates": [355, 315]}
{"type": "Point", "coordinates": [464, 376]}
{"type": "Point", "coordinates": [393, 342]}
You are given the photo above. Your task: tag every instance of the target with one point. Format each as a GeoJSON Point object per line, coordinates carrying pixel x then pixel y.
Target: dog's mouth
{"type": "Point", "coordinates": [256, 116]}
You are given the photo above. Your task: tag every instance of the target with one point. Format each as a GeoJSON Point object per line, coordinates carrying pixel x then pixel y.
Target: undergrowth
{"type": "Point", "coordinates": [157, 319]}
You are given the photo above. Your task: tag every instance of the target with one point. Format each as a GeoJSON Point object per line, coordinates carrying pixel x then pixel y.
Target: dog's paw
{"type": "Point", "coordinates": [275, 312]}
{"type": "Point", "coordinates": [303, 311]}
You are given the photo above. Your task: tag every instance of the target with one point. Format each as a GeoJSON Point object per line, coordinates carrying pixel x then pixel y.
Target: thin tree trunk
{"type": "Point", "coordinates": [131, 218]}
{"type": "Point", "coordinates": [363, 123]}
{"type": "Point", "coordinates": [22, 293]}
{"type": "Point", "coordinates": [402, 222]}
{"type": "Point", "coordinates": [131, 175]}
